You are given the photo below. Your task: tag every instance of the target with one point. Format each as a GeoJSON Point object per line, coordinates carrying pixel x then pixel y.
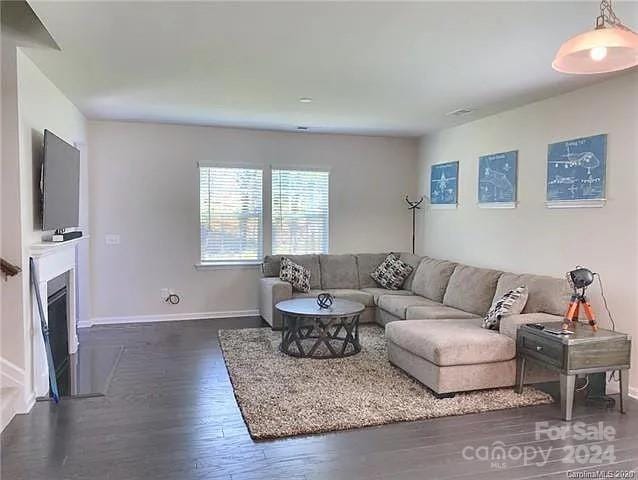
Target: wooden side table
{"type": "Point", "coordinates": [583, 352]}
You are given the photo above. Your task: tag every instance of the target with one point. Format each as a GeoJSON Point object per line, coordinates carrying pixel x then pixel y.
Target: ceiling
{"type": "Point", "coordinates": [371, 68]}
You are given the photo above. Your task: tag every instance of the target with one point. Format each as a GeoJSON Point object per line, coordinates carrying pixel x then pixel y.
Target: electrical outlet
{"type": "Point", "coordinates": [112, 239]}
{"type": "Point", "coordinates": [164, 292]}
{"type": "Point", "coordinates": [170, 296]}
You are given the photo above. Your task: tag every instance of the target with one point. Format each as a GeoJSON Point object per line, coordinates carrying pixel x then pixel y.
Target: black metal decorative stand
{"type": "Point", "coordinates": [319, 337]}
{"type": "Point", "coordinates": [414, 206]}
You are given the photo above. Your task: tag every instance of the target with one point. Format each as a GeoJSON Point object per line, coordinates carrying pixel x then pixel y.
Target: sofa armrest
{"type": "Point", "coordinates": [510, 323]}
{"type": "Point", "coordinates": [271, 292]}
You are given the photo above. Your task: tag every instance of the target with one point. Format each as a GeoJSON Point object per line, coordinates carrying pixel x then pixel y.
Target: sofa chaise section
{"type": "Point", "coordinates": [452, 355]}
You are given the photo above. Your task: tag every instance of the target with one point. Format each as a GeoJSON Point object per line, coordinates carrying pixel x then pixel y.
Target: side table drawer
{"type": "Point", "coordinates": [548, 352]}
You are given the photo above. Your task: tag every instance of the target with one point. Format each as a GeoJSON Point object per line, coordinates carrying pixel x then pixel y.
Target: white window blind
{"type": "Point", "coordinates": [299, 211]}
{"type": "Point", "coordinates": [231, 214]}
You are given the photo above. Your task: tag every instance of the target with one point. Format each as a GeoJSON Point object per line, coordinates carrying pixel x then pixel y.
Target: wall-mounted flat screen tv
{"type": "Point", "coordinates": [60, 184]}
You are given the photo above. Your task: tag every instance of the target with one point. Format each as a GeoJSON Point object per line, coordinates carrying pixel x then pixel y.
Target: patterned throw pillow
{"type": "Point", "coordinates": [296, 275]}
{"type": "Point", "coordinates": [392, 272]}
{"type": "Point", "coordinates": [512, 303]}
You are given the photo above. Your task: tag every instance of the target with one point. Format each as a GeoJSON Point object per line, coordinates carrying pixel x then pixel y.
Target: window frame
{"type": "Point", "coordinates": [270, 200]}
{"type": "Point", "coordinates": [266, 212]}
{"type": "Point", "coordinates": [229, 263]}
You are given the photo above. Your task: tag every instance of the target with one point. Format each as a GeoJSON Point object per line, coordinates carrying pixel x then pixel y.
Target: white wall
{"type": "Point", "coordinates": [33, 104]}
{"type": "Point", "coordinates": [144, 187]}
{"type": "Point", "coordinates": [533, 238]}
{"type": "Point", "coordinates": [42, 106]}
{"type": "Point", "coordinates": [11, 324]}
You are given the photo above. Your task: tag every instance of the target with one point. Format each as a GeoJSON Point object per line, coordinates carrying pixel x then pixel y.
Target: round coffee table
{"type": "Point", "coordinates": [313, 332]}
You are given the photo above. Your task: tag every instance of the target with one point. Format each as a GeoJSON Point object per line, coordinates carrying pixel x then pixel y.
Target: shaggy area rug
{"type": "Point", "coordinates": [281, 396]}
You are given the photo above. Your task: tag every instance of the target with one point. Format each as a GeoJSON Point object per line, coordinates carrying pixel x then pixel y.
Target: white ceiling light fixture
{"type": "Point", "coordinates": [610, 47]}
{"type": "Point", "coordinates": [460, 112]}
{"type": "Point", "coordinates": [305, 100]}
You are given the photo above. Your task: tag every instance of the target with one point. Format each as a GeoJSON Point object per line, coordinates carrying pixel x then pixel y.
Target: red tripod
{"type": "Point", "coordinates": [575, 303]}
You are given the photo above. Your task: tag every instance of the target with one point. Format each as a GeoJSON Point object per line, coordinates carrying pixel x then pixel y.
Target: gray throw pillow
{"type": "Point", "coordinates": [392, 272]}
{"type": "Point", "coordinates": [296, 275]}
{"type": "Point", "coordinates": [512, 303]}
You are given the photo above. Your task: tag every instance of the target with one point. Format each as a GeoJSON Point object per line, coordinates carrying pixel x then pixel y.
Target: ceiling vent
{"type": "Point", "coordinates": [461, 112]}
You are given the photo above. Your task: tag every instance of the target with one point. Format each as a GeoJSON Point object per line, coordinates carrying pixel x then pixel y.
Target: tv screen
{"type": "Point", "coordinates": [60, 184]}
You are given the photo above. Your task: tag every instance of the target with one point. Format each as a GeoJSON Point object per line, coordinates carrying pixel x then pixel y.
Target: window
{"type": "Point", "coordinates": [231, 214]}
{"type": "Point", "coordinates": [299, 211]}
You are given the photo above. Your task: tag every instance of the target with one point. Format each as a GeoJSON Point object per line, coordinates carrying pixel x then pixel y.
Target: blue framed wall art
{"type": "Point", "coordinates": [497, 179]}
{"type": "Point", "coordinates": [576, 170]}
{"type": "Point", "coordinates": [444, 183]}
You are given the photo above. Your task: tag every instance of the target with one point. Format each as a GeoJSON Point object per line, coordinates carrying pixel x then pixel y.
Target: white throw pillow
{"type": "Point", "coordinates": [512, 303]}
{"type": "Point", "coordinates": [296, 275]}
{"type": "Point", "coordinates": [392, 272]}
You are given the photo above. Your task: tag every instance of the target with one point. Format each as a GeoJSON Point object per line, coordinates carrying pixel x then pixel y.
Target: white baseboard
{"type": "Point", "coordinates": [10, 374]}
{"type": "Point", "coordinates": [171, 317]}
{"type": "Point", "coordinates": [27, 404]}
{"type": "Point", "coordinates": [633, 392]}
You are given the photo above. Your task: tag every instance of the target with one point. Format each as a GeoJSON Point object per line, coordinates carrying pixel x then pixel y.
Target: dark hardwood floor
{"type": "Point", "coordinates": [170, 413]}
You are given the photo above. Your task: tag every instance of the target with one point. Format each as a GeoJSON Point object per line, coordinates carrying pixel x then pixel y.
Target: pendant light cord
{"type": "Point", "coordinates": [608, 17]}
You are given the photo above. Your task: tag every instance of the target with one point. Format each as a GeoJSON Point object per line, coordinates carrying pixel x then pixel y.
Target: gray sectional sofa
{"type": "Point", "coordinates": [433, 325]}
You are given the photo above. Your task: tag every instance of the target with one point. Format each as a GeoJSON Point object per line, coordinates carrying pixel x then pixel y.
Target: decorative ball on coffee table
{"type": "Point", "coordinates": [324, 300]}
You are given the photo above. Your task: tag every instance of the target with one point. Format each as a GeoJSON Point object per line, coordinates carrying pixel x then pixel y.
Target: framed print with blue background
{"type": "Point", "coordinates": [576, 172]}
{"type": "Point", "coordinates": [498, 174]}
{"type": "Point", "coordinates": [444, 185]}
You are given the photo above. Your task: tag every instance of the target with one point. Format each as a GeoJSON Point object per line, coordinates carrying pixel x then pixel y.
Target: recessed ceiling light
{"type": "Point", "coordinates": [302, 128]}
{"type": "Point", "coordinates": [460, 112]}
{"type": "Point", "coordinates": [305, 100]}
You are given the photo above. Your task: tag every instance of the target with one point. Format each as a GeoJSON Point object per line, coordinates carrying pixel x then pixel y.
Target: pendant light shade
{"type": "Point", "coordinates": [609, 48]}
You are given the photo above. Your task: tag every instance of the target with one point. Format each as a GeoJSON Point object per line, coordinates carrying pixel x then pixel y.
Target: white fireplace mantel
{"type": "Point", "coordinates": [51, 260]}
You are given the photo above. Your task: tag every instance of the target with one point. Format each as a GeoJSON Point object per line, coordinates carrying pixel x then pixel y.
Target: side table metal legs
{"type": "Point", "coordinates": [624, 389]}
{"type": "Point", "coordinates": [520, 374]}
{"type": "Point", "coordinates": [567, 384]}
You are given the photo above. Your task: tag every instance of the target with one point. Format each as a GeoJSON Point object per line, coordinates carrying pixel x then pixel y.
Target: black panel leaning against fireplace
{"type": "Point", "coordinates": [58, 326]}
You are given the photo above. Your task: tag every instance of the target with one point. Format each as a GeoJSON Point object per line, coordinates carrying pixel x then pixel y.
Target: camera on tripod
{"type": "Point", "coordinates": [580, 278]}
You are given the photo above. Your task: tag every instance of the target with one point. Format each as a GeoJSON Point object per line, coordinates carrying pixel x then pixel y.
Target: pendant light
{"type": "Point", "coordinates": [610, 47]}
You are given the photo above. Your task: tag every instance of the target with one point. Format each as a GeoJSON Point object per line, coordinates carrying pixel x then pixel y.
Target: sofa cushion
{"type": "Point", "coordinates": [431, 278]}
{"type": "Point", "coordinates": [353, 295]}
{"type": "Point", "coordinates": [397, 305]}
{"type": "Point", "coordinates": [414, 261]}
{"type": "Point", "coordinates": [312, 293]}
{"type": "Point", "coordinates": [272, 265]}
{"type": "Point", "coordinates": [436, 312]}
{"type": "Point", "coordinates": [366, 264]}
{"type": "Point", "coordinates": [451, 342]}
{"type": "Point", "coordinates": [471, 289]}
{"type": "Point", "coordinates": [546, 294]}
{"type": "Point", "coordinates": [392, 272]}
{"type": "Point", "coordinates": [378, 291]}
{"type": "Point", "coordinates": [339, 271]}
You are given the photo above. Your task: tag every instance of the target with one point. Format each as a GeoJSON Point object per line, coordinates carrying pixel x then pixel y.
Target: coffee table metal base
{"type": "Point", "coordinates": [320, 337]}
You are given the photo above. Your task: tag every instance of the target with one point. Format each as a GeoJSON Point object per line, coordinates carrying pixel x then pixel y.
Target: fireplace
{"type": "Point", "coordinates": [58, 326]}
{"type": "Point", "coordinates": [54, 266]}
